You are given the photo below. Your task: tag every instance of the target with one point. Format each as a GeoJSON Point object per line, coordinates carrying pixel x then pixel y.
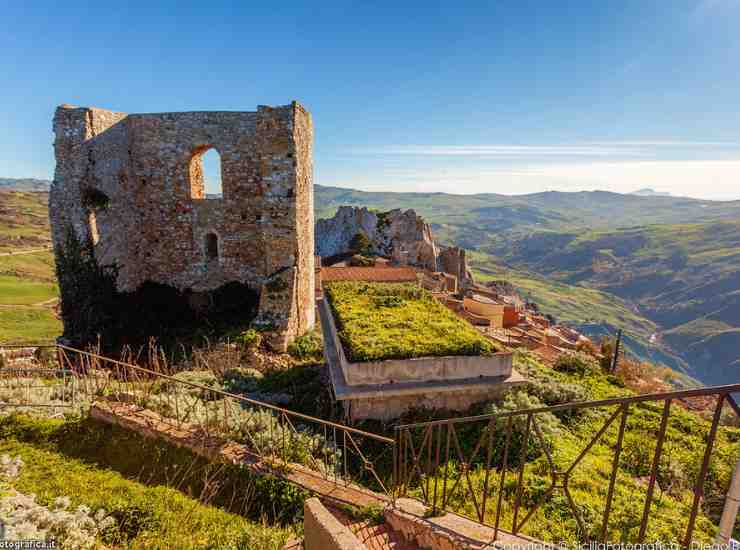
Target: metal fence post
{"type": "Point", "coordinates": [732, 506]}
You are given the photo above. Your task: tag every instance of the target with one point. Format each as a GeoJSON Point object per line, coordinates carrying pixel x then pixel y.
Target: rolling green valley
{"type": "Point", "coordinates": [596, 260]}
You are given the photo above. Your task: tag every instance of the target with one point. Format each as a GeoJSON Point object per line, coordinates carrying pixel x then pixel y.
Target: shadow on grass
{"type": "Point", "coordinates": [153, 462]}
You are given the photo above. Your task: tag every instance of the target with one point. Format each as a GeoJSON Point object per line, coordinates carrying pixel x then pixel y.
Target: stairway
{"type": "Point", "coordinates": [374, 537]}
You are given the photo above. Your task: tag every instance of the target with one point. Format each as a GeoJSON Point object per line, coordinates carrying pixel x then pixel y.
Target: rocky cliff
{"type": "Point", "coordinates": [398, 234]}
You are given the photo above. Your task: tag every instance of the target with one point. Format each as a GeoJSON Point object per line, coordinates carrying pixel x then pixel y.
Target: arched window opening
{"type": "Point", "coordinates": [205, 174]}
{"type": "Point", "coordinates": [211, 247]}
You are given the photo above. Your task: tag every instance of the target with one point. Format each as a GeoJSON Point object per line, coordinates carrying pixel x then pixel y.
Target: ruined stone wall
{"type": "Point", "coordinates": [452, 260]}
{"type": "Point", "coordinates": [132, 187]}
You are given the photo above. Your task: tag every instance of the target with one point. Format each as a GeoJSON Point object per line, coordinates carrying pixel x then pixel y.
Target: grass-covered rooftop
{"type": "Point", "coordinates": [378, 321]}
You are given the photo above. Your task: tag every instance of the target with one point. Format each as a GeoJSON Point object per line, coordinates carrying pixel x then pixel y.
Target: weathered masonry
{"type": "Point", "coordinates": [137, 240]}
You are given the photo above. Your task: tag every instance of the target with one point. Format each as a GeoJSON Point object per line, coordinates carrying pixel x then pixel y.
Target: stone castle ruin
{"type": "Point", "coordinates": [139, 245]}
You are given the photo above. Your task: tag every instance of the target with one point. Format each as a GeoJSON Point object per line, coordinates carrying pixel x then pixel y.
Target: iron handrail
{"type": "Point", "coordinates": [230, 395]}
{"type": "Point", "coordinates": [423, 460]}
{"type": "Point", "coordinates": [680, 394]}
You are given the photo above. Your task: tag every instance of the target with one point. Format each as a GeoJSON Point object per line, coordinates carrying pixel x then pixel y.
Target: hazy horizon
{"type": "Point", "coordinates": [395, 190]}
{"type": "Point", "coordinates": [482, 97]}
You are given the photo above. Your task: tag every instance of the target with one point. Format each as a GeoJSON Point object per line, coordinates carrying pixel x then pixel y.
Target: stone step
{"type": "Point", "coordinates": [374, 537]}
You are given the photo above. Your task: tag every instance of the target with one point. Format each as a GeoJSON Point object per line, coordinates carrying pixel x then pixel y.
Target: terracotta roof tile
{"type": "Point", "coordinates": [369, 274]}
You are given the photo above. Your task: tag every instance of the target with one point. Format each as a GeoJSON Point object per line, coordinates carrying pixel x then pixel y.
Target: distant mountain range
{"type": "Point", "coordinates": [647, 192]}
{"type": "Point", "coordinates": [24, 184]}
{"type": "Point", "coordinates": [666, 269]}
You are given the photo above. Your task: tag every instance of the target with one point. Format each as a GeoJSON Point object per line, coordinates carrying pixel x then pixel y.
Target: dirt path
{"type": "Point", "coordinates": [44, 304]}
{"type": "Point", "coordinates": [22, 252]}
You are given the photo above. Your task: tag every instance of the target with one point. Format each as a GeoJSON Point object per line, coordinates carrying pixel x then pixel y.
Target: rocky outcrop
{"type": "Point", "coordinates": [397, 233]}
{"type": "Point", "coordinates": [333, 235]}
{"type": "Point", "coordinates": [401, 235]}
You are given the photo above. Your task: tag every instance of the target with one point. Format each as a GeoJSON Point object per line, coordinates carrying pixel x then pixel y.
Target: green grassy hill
{"type": "Point", "coordinates": [24, 184]}
{"type": "Point", "coordinates": [683, 277]}
{"type": "Point", "coordinates": [483, 220]}
{"type": "Point", "coordinates": [28, 289]}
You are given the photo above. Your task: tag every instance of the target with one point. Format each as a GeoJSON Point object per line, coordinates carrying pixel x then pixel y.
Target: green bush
{"type": "Point", "coordinates": [46, 356]}
{"type": "Point", "coordinates": [360, 244]}
{"type": "Point", "coordinates": [361, 261]}
{"type": "Point", "coordinates": [547, 387]}
{"type": "Point", "coordinates": [549, 425]}
{"type": "Point", "coordinates": [242, 380]}
{"type": "Point", "coordinates": [308, 348]}
{"type": "Point", "coordinates": [576, 363]}
{"type": "Point", "coordinates": [250, 339]}
{"type": "Point", "coordinates": [201, 377]}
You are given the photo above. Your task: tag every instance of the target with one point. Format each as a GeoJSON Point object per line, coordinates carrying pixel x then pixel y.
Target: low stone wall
{"type": "Point", "coordinates": [387, 407]}
{"type": "Point", "coordinates": [322, 531]}
{"type": "Point", "coordinates": [448, 531]}
{"type": "Point", "coordinates": [423, 369]}
{"type": "Point", "coordinates": [428, 368]}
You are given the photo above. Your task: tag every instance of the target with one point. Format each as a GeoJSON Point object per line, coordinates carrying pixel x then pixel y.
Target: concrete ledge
{"type": "Point", "coordinates": [322, 531]}
{"type": "Point", "coordinates": [449, 531]}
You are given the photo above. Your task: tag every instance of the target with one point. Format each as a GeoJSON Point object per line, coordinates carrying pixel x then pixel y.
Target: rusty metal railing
{"type": "Point", "coordinates": [427, 450]}
{"type": "Point", "coordinates": [33, 384]}
{"type": "Point", "coordinates": [417, 461]}
{"type": "Point", "coordinates": [339, 453]}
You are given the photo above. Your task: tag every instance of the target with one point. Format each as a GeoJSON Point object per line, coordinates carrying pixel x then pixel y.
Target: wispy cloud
{"type": "Point", "coordinates": [627, 149]}
{"type": "Point", "coordinates": [707, 179]}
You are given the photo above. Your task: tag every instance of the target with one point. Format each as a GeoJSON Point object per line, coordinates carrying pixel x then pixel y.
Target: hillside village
{"type": "Point", "coordinates": [387, 250]}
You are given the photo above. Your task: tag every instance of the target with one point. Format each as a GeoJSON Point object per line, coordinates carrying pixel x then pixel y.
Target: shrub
{"type": "Point", "coordinates": [45, 356]}
{"type": "Point", "coordinates": [250, 339]}
{"type": "Point", "coordinates": [549, 425]}
{"type": "Point", "coordinates": [607, 353]}
{"type": "Point", "coordinates": [360, 244]}
{"type": "Point", "coordinates": [242, 380]}
{"type": "Point", "coordinates": [309, 347]}
{"type": "Point", "coordinates": [576, 363]}
{"type": "Point", "coordinates": [201, 377]}
{"type": "Point", "coordinates": [361, 261]}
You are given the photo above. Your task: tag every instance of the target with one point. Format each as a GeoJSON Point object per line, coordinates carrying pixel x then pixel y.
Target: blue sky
{"type": "Point", "coordinates": [461, 97]}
